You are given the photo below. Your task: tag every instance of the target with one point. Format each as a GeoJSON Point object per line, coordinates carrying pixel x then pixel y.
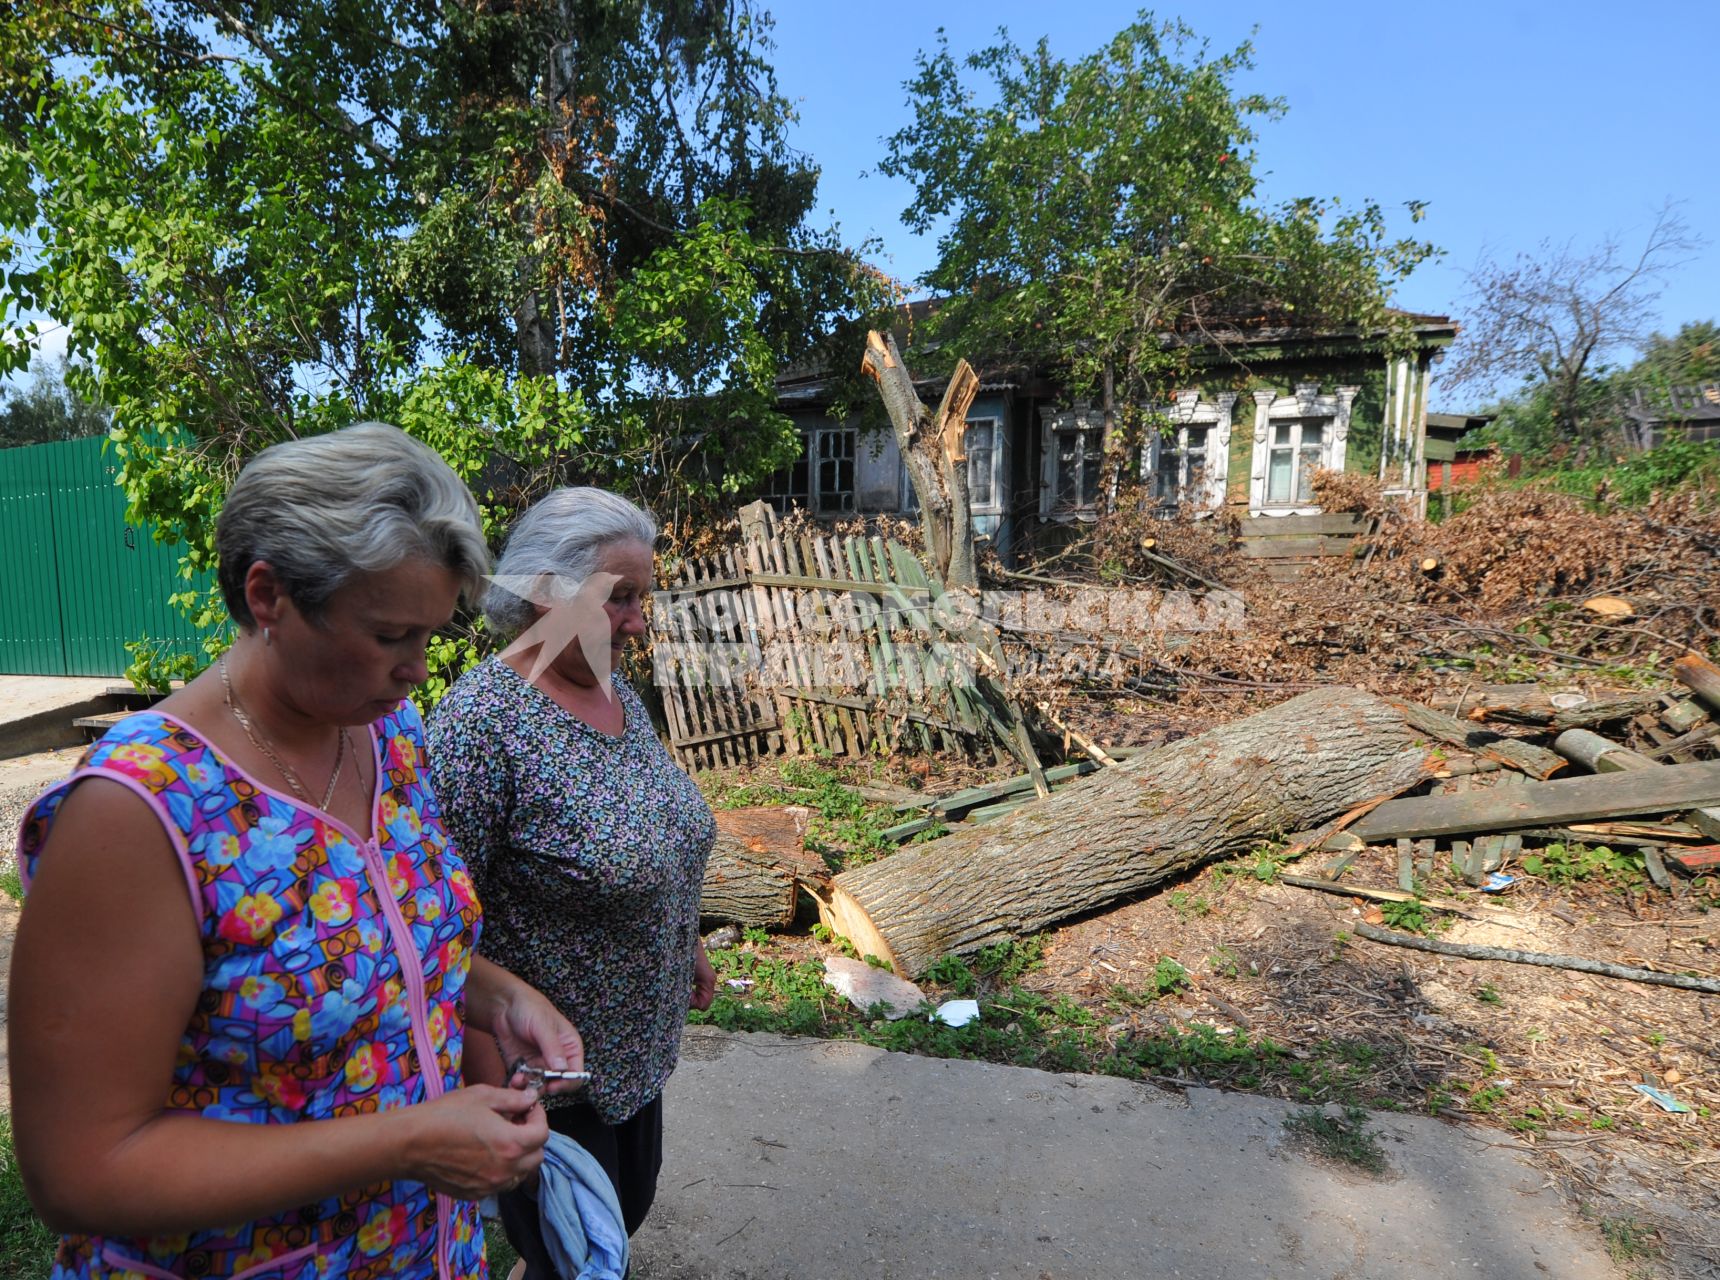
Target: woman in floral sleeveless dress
{"type": "Point", "coordinates": [246, 957]}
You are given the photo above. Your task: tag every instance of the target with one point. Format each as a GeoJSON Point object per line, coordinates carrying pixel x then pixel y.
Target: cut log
{"type": "Point", "coordinates": [1684, 715]}
{"type": "Point", "coordinates": [758, 866]}
{"type": "Point", "coordinates": [1125, 829]}
{"type": "Point", "coordinates": [1701, 677]}
{"type": "Point", "coordinates": [1524, 757]}
{"type": "Point", "coordinates": [1598, 754]}
{"type": "Point", "coordinates": [1607, 795]}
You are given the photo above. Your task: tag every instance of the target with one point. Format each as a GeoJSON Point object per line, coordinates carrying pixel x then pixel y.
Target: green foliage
{"type": "Point", "coordinates": [11, 879]}
{"type": "Point", "coordinates": [1635, 478]}
{"type": "Point", "coordinates": [26, 1246]}
{"type": "Point", "coordinates": [1411, 916]}
{"type": "Point", "coordinates": [1347, 1140]}
{"type": "Point", "coordinates": [1487, 993]}
{"type": "Point", "coordinates": [847, 830]}
{"type": "Point", "coordinates": [1088, 207]}
{"type": "Point", "coordinates": [1690, 356]}
{"type": "Point", "coordinates": [561, 244]}
{"type": "Point", "coordinates": [1570, 863]}
{"type": "Point", "coordinates": [48, 409]}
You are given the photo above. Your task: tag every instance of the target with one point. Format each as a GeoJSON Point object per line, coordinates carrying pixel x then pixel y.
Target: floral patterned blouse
{"type": "Point", "coordinates": [333, 968]}
{"type": "Point", "coordinates": [589, 852]}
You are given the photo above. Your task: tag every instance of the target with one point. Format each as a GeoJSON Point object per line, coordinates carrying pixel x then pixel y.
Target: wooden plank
{"type": "Point", "coordinates": [1276, 548]}
{"type": "Point", "coordinates": [1702, 860]}
{"type": "Point", "coordinates": [1300, 526]}
{"type": "Point", "coordinates": [1615, 795]}
{"type": "Point", "coordinates": [1605, 756]}
{"type": "Point", "coordinates": [785, 579]}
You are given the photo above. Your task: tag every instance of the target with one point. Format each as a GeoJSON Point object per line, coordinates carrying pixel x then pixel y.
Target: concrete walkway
{"type": "Point", "coordinates": [36, 712]}
{"type": "Point", "coordinates": [809, 1160]}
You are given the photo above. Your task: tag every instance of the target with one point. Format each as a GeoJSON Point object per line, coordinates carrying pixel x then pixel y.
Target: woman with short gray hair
{"type": "Point", "coordinates": [247, 955]}
{"type": "Point", "coordinates": [586, 842]}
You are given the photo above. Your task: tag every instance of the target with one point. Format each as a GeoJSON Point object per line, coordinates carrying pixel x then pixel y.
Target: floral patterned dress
{"type": "Point", "coordinates": [334, 968]}
{"type": "Point", "coordinates": [589, 852]}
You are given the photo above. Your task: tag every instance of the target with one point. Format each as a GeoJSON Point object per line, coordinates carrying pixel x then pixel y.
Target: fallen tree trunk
{"type": "Point", "coordinates": [758, 866]}
{"type": "Point", "coordinates": [1124, 829]}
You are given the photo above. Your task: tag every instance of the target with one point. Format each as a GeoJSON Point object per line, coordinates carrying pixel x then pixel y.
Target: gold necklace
{"type": "Point", "coordinates": [286, 770]}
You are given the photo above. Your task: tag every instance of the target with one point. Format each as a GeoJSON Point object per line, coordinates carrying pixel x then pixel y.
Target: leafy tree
{"type": "Point", "coordinates": [1094, 209]}
{"type": "Point", "coordinates": [1690, 356]}
{"type": "Point", "coordinates": [48, 410]}
{"type": "Point", "coordinates": [563, 241]}
{"type": "Point", "coordinates": [1552, 317]}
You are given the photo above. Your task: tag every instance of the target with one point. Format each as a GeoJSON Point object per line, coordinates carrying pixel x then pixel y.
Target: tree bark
{"type": "Point", "coordinates": [1118, 832]}
{"type": "Point", "coordinates": [1700, 676]}
{"type": "Point", "coordinates": [933, 451]}
{"type": "Point", "coordinates": [758, 866]}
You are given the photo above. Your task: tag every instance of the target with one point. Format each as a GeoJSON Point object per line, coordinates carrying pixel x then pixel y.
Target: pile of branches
{"type": "Point", "coordinates": [1504, 589]}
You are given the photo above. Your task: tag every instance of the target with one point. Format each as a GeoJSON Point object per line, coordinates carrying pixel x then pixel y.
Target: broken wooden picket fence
{"type": "Point", "coordinates": [811, 643]}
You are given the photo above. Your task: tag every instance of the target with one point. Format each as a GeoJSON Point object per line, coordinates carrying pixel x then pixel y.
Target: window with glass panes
{"type": "Point", "coordinates": [821, 479]}
{"type": "Point", "coordinates": [984, 446]}
{"type": "Point", "coordinates": [1296, 452]}
{"type": "Point", "coordinates": [1079, 454]}
{"type": "Point", "coordinates": [835, 474]}
{"type": "Point", "coordinates": [1179, 471]}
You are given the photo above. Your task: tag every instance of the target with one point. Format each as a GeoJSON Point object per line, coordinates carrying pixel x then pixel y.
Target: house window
{"type": "Point", "coordinates": [984, 446]}
{"type": "Point", "coordinates": [1078, 453]}
{"type": "Point", "coordinates": [789, 488]}
{"type": "Point", "coordinates": [821, 479]}
{"type": "Point", "coordinates": [1296, 452]}
{"type": "Point", "coordinates": [835, 478]}
{"type": "Point", "coordinates": [1177, 473]}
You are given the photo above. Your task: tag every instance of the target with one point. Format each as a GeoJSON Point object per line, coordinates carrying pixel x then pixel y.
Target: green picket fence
{"type": "Point", "coordinates": [76, 581]}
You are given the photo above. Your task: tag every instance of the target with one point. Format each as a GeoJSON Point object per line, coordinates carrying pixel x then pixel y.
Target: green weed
{"type": "Point", "coordinates": [1186, 904]}
{"type": "Point", "coordinates": [1348, 1140]}
{"type": "Point", "coordinates": [26, 1246]}
{"type": "Point", "coordinates": [1487, 993]}
{"type": "Point", "coordinates": [1629, 1241]}
{"type": "Point", "coordinates": [1568, 863]}
{"type": "Point", "coordinates": [11, 880]}
{"type": "Point", "coordinates": [1412, 916]}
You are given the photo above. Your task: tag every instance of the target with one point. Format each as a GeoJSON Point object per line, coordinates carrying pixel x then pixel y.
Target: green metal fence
{"type": "Point", "coordinates": [76, 581]}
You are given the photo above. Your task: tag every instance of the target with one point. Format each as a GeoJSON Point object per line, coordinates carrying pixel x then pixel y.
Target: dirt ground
{"type": "Point", "coordinates": [1544, 1056]}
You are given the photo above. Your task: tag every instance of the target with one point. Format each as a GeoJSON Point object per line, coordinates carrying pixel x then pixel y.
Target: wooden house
{"type": "Point", "coordinates": [1265, 408]}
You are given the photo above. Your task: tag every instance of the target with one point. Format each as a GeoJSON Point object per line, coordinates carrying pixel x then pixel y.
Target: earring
{"type": "Point", "coordinates": [267, 638]}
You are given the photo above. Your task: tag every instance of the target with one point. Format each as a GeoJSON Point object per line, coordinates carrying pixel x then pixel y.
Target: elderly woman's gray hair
{"type": "Point", "coordinates": [564, 535]}
{"type": "Point", "coordinates": [363, 499]}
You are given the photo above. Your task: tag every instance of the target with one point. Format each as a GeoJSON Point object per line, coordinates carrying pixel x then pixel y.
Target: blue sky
{"type": "Point", "coordinates": [1516, 122]}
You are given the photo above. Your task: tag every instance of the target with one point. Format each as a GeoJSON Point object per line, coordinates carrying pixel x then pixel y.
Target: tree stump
{"type": "Point", "coordinates": [1125, 829]}
{"type": "Point", "coordinates": [758, 866]}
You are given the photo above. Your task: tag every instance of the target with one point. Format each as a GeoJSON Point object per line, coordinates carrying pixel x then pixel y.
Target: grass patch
{"type": "Point", "coordinates": [26, 1246]}
{"type": "Point", "coordinates": [11, 881]}
{"type": "Point", "coordinates": [1021, 1027]}
{"type": "Point", "coordinates": [1628, 1241]}
{"type": "Point", "coordinates": [1345, 1140]}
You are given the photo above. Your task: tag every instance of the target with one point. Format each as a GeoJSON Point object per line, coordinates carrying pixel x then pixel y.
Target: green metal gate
{"type": "Point", "coordinates": [76, 581]}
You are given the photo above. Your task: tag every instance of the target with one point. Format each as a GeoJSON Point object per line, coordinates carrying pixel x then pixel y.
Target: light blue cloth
{"type": "Point", "coordinates": [579, 1213]}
